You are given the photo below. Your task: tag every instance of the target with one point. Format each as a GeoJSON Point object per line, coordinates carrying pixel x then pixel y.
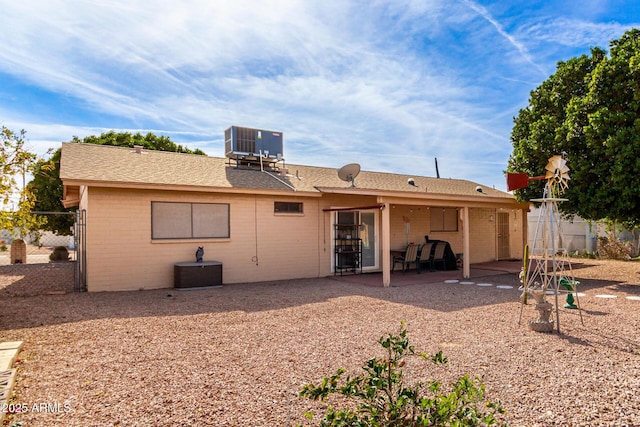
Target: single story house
{"type": "Point", "coordinates": [147, 210]}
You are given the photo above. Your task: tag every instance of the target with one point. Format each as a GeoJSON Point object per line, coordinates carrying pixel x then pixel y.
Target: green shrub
{"type": "Point", "coordinates": [382, 398]}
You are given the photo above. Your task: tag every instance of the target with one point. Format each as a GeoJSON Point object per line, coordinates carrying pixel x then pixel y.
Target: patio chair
{"type": "Point", "coordinates": [425, 256]}
{"type": "Point", "coordinates": [438, 256]}
{"type": "Point", "coordinates": [410, 257]}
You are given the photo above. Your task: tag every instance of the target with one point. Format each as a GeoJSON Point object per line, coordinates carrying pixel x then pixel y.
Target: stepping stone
{"type": "Point", "coordinates": [606, 296]}
{"type": "Point", "coordinates": [634, 298]}
{"type": "Point", "coordinates": [467, 283]}
{"type": "Point", "coordinates": [486, 285]}
{"type": "Point", "coordinates": [451, 281]}
{"type": "Point", "coordinates": [504, 287]}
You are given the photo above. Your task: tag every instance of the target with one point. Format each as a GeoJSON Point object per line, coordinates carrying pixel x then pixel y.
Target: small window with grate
{"type": "Point", "coordinates": [287, 207]}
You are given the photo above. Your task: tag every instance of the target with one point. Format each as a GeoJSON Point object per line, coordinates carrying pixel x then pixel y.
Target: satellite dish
{"type": "Point", "coordinates": [349, 172]}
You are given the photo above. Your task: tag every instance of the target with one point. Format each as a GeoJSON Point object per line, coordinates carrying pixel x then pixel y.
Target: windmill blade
{"type": "Point", "coordinates": [555, 163]}
{"type": "Point", "coordinates": [557, 174]}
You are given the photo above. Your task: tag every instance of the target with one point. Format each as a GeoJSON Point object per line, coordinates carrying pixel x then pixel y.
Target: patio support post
{"type": "Point", "coordinates": [466, 269]}
{"type": "Point", "coordinates": [525, 227]}
{"type": "Point", "coordinates": [386, 247]}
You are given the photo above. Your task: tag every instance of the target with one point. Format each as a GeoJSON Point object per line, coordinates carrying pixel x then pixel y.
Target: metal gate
{"type": "Point", "coordinates": [44, 262]}
{"type": "Point", "coordinates": [80, 231]}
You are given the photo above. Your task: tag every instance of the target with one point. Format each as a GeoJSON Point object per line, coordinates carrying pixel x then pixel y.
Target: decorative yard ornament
{"type": "Point", "coordinates": [548, 267]}
{"type": "Point", "coordinates": [199, 254]}
{"type": "Point", "coordinates": [557, 176]}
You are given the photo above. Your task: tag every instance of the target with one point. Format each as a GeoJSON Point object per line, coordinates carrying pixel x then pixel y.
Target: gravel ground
{"type": "Point", "coordinates": [239, 355]}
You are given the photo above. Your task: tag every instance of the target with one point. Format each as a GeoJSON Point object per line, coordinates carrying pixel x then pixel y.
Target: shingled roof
{"type": "Point", "coordinates": [92, 164]}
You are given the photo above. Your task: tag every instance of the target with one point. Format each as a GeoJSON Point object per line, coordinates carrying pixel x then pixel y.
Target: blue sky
{"type": "Point", "coordinates": [387, 84]}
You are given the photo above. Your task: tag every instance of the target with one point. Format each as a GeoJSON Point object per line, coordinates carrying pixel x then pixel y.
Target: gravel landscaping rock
{"type": "Point", "coordinates": [239, 355]}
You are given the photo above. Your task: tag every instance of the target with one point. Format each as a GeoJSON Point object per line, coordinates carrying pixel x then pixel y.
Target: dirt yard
{"type": "Point", "coordinates": [239, 355]}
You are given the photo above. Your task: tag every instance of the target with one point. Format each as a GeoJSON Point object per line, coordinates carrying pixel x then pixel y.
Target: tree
{"type": "Point", "coordinates": [150, 141]}
{"type": "Point", "coordinates": [15, 161]}
{"type": "Point", "coordinates": [589, 111]}
{"type": "Point", "coordinates": [47, 185]}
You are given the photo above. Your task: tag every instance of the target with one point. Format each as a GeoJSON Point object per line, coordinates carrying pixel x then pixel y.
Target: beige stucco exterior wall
{"type": "Point", "coordinates": [263, 245]}
{"type": "Point", "coordinates": [516, 243]}
{"type": "Point", "coordinates": [482, 235]}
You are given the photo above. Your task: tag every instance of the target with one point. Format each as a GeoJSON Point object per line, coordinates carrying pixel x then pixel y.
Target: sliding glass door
{"type": "Point", "coordinates": [368, 222]}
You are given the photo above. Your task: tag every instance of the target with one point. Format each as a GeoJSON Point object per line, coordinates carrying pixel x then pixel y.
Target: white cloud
{"type": "Point", "coordinates": [575, 32]}
{"type": "Point", "coordinates": [380, 82]}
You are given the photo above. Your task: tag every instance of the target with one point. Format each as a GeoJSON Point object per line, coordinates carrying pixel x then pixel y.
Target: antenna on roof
{"type": "Point", "coordinates": [349, 172]}
{"type": "Point", "coordinates": [437, 171]}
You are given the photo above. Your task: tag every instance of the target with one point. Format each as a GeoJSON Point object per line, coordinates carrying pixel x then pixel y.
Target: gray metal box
{"type": "Point", "coordinates": [243, 142]}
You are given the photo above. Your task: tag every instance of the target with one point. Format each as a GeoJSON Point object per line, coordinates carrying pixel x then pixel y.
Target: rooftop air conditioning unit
{"type": "Point", "coordinates": [246, 144]}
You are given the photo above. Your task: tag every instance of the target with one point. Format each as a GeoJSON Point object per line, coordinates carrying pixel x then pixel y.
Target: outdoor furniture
{"type": "Point", "coordinates": [197, 274]}
{"type": "Point", "coordinates": [439, 256]}
{"type": "Point", "coordinates": [425, 256]}
{"type": "Point", "coordinates": [409, 257]}
{"type": "Point", "coordinates": [397, 256]}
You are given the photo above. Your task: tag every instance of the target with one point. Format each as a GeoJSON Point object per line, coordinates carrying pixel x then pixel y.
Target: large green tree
{"type": "Point", "coordinates": [588, 111]}
{"type": "Point", "coordinates": [47, 186]}
{"type": "Point", "coordinates": [17, 200]}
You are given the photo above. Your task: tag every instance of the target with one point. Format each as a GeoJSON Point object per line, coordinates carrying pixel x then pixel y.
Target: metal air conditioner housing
{"type": "Point", "coordinates": [242, 143]}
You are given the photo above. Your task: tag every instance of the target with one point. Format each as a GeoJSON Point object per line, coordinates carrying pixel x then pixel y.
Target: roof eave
{"type": "Point", "coordinates": [189, 188]}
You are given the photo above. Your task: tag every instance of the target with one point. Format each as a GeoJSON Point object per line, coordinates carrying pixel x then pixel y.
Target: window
{"type": "Point", "coordinates": [171, 220]}
{"type": "Point", "coordinates": [287, 207]}
{"type": "Point", "coordinates": [444, 219]}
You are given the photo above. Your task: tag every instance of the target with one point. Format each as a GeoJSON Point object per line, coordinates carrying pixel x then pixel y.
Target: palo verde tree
{"type": "Point", "coordinates": [588, 111]}
{"type": "Point", "coordinates": [17, 200]}
{"type": "Point", "coordinates": [47, 186]}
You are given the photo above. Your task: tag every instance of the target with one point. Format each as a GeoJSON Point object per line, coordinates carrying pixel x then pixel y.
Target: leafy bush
{"type": "Point", "coordinates": [383, 399]}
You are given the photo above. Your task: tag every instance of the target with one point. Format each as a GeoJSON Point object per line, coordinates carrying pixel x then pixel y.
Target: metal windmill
{"type": "Point", "coordinates": [548, 267]}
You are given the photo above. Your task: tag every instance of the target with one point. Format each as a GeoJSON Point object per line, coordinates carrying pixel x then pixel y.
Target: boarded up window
{"type": "Point", "coordinates": [189, 220]}
{"type": "Point", "coordinates": [444, 219]}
